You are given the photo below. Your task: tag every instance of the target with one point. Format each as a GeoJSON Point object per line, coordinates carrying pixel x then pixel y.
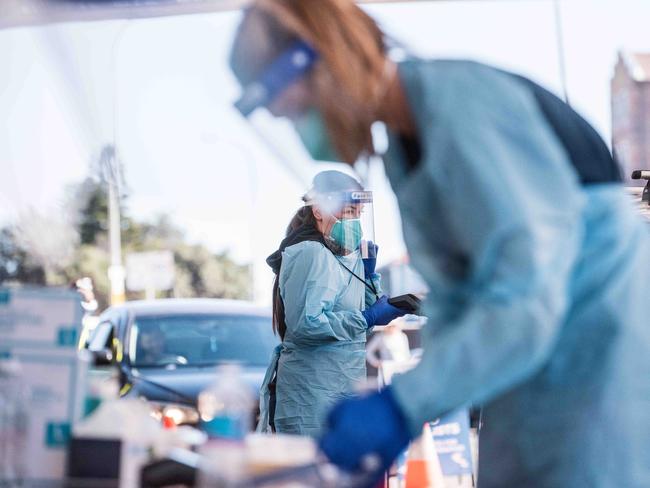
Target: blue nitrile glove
{"type": "Point", "coordinates": [381, 312]}
{"type": "Point", "coordinates": [370, 263]}
{"type": "Point", "coordinates": [364, 427]}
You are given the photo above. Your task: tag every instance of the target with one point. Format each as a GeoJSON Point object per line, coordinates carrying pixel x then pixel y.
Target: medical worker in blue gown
{"type": "Point", "coordinates": [514, 213]}
{"type": "Point", "coordinates": [326, 297]}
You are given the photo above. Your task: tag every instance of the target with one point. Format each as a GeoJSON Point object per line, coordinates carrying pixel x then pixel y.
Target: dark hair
{"type": "Point", "coordinates": [304, 218]}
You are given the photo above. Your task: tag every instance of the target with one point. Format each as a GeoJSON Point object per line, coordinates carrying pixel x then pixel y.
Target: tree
{"type": "Point", "coordinates": [49, 240]}
{"type": "Point", "coordinates": [16, 266]}
{"type": "Point", "coordinates": [56, 250]}
{"type": "Point", "coordinates": [203, 274]}
{"type": "Point", "coordinates": [93, 215]}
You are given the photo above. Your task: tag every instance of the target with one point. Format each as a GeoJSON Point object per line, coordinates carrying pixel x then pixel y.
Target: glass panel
{"type": "Point", "coordinates": [201, 340]}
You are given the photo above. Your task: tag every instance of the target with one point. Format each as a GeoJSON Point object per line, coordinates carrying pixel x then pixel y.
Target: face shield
{"type": "Point", "coordinates": [288, 67]}
{"type": "Point", "coordinates": [287, 139]}
{"type": "Point", "coordinates": [354, 220]}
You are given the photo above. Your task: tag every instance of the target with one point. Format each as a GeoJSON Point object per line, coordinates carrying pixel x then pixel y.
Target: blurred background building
{"type": "Point", "coordinates": [631, 112]}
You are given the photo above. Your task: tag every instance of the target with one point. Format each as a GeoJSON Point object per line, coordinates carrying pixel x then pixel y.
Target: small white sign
{"type": "Point", "coordinates": [153, 270]}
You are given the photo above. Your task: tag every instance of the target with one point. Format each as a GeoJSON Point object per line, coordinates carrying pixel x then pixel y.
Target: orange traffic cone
{"type": "Point", "coordinates": [422, 465]}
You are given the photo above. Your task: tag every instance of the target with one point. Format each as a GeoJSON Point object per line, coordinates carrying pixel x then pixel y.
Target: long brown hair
{"type": "Point", "coordinates": [303, 218]}
{"type": "Point", "coordinates": [347, 83]}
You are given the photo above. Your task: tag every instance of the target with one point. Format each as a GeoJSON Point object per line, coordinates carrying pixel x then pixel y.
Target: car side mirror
{"type": "Point", "coordinates": [103, 357]}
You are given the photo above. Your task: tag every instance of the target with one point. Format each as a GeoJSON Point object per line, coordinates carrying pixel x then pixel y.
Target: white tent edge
{"type": "Point", "coordinates": [23, 13]}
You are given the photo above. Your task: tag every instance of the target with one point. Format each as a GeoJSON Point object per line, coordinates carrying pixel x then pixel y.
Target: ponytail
{"type": "Point", "coordinates": [304, 224]}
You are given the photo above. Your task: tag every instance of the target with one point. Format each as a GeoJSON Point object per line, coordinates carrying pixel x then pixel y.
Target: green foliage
{"type": "Point", "coordinates": [208, 275]}
{"type": "Point", "coordinates": [93, 218]}
{"type": "Point", "coordinates": [16, 266]}
{"type": "Point", "coordinates": [93, 261]}
{"type": "Point", "coordinates": [199, 272]}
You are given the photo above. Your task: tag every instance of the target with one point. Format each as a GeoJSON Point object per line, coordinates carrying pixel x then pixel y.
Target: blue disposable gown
{"type": "Point", "coordinates": [538, 307]}
{"type": "Point", "coordinates": [322, 356]}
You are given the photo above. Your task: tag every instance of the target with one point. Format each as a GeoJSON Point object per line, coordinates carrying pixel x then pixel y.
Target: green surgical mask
{"type": "Point", "coordinates": [313, 134]}
{"type": "Point", "coordinates": [347, 233]}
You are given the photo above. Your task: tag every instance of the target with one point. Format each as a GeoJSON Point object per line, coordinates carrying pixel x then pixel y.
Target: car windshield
{"type": "Point", "coordinates": [200, 340]}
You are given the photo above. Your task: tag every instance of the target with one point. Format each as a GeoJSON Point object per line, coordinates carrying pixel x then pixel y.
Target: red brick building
{"type": "Point", "coordinates": [631, 111]}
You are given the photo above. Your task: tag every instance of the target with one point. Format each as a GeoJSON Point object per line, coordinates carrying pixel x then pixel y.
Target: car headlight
{"type": "Point", "coordinates": [173, 414]}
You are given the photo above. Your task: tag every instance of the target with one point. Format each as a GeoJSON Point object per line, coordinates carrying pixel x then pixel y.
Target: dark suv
{"type": "Point", "coordinates": [167, 350]}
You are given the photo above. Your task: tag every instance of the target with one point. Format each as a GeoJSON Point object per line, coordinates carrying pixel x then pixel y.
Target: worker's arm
{"type": "Point", "coordinates": [373, 289]}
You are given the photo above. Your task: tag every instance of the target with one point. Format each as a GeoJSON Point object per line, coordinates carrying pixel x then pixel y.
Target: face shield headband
{"type": "Point", "coordinates": [332, 201]}
{"type": "Point", "coordinates": [292, 64]}
{"type": "Point", "coordinates": [353, 211]}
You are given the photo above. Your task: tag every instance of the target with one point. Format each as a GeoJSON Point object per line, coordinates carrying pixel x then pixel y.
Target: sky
{"type": "Point", "coordinates": [161, 90]}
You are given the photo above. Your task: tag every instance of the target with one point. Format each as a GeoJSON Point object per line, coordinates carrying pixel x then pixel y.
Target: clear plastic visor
{"type": "Point", "coordinates": [353, 227]}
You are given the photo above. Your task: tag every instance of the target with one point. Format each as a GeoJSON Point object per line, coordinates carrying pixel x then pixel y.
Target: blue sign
{"type": "Point", "coordinates": [57, 434]}
{"type": "Point", "coordinates": [67, 336]}
{"type": "Point", "coordinates": [451, 437]}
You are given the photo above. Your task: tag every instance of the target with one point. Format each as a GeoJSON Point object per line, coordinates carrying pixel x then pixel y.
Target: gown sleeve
{"type": "Point", "coordinates": [374, 290]}
{"type": "Point", "coordinates": [513, 205]}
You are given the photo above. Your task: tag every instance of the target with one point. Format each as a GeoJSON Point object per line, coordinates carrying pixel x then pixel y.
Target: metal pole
{"type": "Point", "coordinates": [116, 272]}
{"type": "Point", "coordinates": [560, 49]}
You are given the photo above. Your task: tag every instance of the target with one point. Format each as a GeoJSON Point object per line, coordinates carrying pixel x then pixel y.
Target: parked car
{"type": "Point", "coordinates": [167, 350]}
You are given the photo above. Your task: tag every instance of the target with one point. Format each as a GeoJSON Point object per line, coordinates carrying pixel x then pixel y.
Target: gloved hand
{"type": "Point", "coordinates": [381, 312]}
{"type": "Point", "coordinates": [370, 263]}
{"type": "Point", "coordinates": [373, 425]}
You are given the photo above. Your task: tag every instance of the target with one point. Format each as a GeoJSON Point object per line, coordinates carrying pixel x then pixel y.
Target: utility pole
{"type": "Point", "coordinates": [112, 175]}
{"type": "Point", "coordinates": [560, 49]}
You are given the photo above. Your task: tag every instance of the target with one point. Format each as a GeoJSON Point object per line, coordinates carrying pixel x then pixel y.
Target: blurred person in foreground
{"type": "Point", "coordinates": [514, 213]}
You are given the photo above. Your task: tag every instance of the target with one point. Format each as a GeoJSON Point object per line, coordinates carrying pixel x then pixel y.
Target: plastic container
{"type": "Point", "coordinates": [225, 408]}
